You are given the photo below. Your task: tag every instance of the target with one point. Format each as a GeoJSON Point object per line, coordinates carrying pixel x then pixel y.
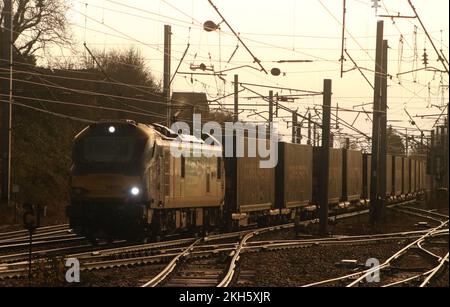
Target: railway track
{"type": "Point", "coordinates": [220, 270]}
{"type": "Point", "coordinates": [191, 259]}
{"type": "Point", "coordinates": [415, 264]}
{"type": "Point", "coordinates": [191, 267]}
{"type": "Point", "coordinates": [21, 234]}
{"type": "Point", "coordinates": [50, 236]}
{"type": "Point", "coordinates": [101, 257]}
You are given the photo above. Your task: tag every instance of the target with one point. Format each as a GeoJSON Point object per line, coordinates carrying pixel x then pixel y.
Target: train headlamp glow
{"type": "Point", "coordinates": [112, 129]}
{"type": "Point", "coordinates": [135, 191]}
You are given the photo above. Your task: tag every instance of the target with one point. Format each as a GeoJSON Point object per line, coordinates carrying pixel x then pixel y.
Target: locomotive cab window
{"type": "Point", "coordinates": [105, 149]}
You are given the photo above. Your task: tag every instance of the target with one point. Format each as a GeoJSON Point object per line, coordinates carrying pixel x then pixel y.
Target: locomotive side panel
{"type": "Point", "coordinates": [186, 182]}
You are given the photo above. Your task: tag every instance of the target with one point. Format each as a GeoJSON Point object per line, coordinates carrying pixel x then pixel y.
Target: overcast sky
{"type": "Point", "coordinates": [280, 30]}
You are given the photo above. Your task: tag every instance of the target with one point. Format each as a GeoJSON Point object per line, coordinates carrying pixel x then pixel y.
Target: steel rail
{"type": "Point", "coordinates": [435, 271]}
{"type": "Point", "coordinates": [426, 251]}
{"type": "Point", "coordinates": [407, 279]}
{"type": "Point", "coordinates": [429, 212]}
{"type": "Point", "coordinates": [40, 243]}
{"type": "Point", "coordinates": [229, 275]}
{"type": "Point", "coordinates": [367, 272]}
{"type": "Point", "coordinates": [130, 249]}
{"type": "Point", "coordinates": [170, 267]}
{"type": "Point", "coordinates": [396, 255]}
{"type": "Point", "coordinates": [11, 243]}
{"type": "Point", "coordinates": [39, 230]}
{"type": "Point", "coordinates": [232, 267]}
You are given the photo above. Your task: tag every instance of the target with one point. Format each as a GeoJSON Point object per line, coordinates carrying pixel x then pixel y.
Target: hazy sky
{"type": "Point", "coordinates": [280, 30]}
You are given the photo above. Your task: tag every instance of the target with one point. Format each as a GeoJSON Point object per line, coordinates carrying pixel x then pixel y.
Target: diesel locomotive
{"type": "Point", "coordinates": [126, 184]}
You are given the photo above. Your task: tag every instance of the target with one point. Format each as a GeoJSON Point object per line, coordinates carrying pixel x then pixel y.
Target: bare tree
{"type": "Point", "coordinates": [37, 24]}
{"type": "Point", "coordinates": [127, 66]}
{"type": "Point", "coordinates": [395, 143]}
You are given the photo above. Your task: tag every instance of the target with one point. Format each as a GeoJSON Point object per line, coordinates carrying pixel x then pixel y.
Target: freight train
{"type": "Point", "coordinates": [126, 184]}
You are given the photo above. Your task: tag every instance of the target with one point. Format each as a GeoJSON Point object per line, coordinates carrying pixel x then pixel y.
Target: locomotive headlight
{"type": "Point", "coordinates": [112, 129]}
{"type": "Point", "coordinates": [135, 191]}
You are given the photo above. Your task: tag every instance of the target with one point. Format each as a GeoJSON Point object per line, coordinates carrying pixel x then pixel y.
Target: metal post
{"type": "Point", "coordinates": [421, 143]}
{"type": "Point", "coordinates": [299, 133]}
{"type": "Point", "coordinates": [294, 128]}
{"type": "Point", "coordinates": [444, 167]}
{"type": "Point", "coordinates": [383, 135]}
{"type": "Point", "coordinates": [431, 151]}
{"type": "Point", "coordinates": [432, 142]}
{"type": "Point", "coordinates": [344, 11]}
{"type": "Point", "coordinates": [270, 107]}
{"type": "Point", "coordinates": [7, 40]}
{"type": "Point", "coordinates": [236, 98]}
{"type": "Point", "coordinates": [309, 128]}
{"type": "Point", "coordinates": [407, 143]}
{"type": "Point", "coordinates": [30, 253]}
{"type": "Point", "coordinates": [325, 156]}
{"type": "Point", "coordinates": [446, 153]}
{"type": "Point", "coordinates": [347, 143]}
{"type": "Point", "coordinates": [167, 71]}
{"type": "Point", "coordinates": [374, 192]}
{"type": "Point", "coordinates": [315, 135]}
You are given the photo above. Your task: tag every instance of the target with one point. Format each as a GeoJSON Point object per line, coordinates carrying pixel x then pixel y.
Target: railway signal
{"type": "Point", "coordinates": [31, 221]}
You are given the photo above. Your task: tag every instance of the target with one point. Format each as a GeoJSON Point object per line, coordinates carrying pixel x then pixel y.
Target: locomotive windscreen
{"type": "Point", "coordinates": [107, 149]}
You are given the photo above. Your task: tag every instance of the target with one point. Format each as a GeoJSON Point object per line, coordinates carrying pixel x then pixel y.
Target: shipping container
{"type": "Point", "coordinates": [413, 175]}
{"type": "Point", "coordinates": [293, 183]}
{"type": "Point", "coordinates": [249, 187]}
{"type": "Point", "coordinates": [398, 176]}
{"type": "Point", "coordinates": [389, 176]}
{"type": "Point", "coordinates": [335, 175]}
{"type": "Point", "coordinates": [367, 164]}
{"type": "Point", "coordinates": [423, 177]}
{"type": "Point", "coordinates": [406, 176]}
{"type": "Point", "coordinates": [352, 171]}
{"type": "Point", "coordinates": [419, 175]}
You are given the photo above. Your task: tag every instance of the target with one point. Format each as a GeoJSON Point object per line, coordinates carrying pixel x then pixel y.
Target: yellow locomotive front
{"type": "Point", "coordinates": [109, 197]}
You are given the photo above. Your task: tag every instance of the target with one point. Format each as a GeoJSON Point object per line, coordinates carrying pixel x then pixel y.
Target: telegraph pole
{"type": "Point", "coordinates": [383, 135]}
{"type": "Point", "coordinates": [7, 41]}
{"type": "Point", "coordinates": [299, 133]}
{"type": "Point", "coordinates": [167, 70]}
{"type": "Point", "coordinates": [309, 128]}
{"type": "Point", "coordinates": [270, 107]}
{"type": "Point", "coordinates": [315, 135]}
{"type": "Point", "coordinates": [236, 98]}
{"type": "Point", "coordinates": [374, 189]}
{"type": "Point", "coordinates": [446, 154]}
{"type": "Point", "coordinates": [294, 127]}
{"type": "Point", "coordinates": [325, 158]}
{"type": "Point", "coordinates": [407, 142]}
